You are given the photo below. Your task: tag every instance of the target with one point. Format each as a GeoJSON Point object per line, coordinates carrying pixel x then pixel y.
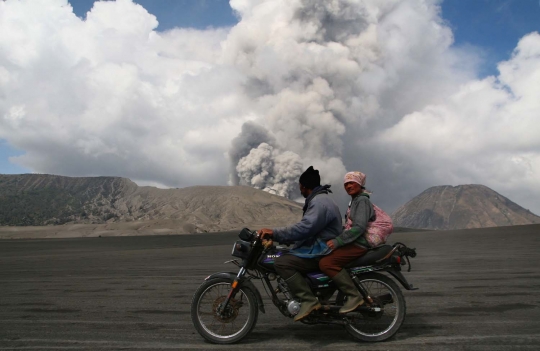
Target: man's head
{"type": "Point", "coordinates": [309, 180]}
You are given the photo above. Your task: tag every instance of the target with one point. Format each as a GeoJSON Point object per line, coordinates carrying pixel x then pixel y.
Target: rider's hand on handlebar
{"type": "Point", "coordinates": [266, 233]}
{"type": "Point", "coordinates": [266, 236]}
{"type": "Point", "coordinates": [267, 243]}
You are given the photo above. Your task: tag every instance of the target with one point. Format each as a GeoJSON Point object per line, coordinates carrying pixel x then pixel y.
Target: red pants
{"type": "Point", "coordinates": [333, 263]}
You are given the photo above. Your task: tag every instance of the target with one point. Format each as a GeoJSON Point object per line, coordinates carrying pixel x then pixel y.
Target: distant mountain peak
{"type": "Point", "coordinates": [461, 207]}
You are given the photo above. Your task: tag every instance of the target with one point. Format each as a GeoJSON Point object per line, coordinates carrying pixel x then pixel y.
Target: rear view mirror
{"type": "Point", "coordinates": [246, 234]}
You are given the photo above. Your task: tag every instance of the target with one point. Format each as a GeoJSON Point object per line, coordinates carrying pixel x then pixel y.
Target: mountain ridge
{"type": "Point", "coordinates": [41, 200]}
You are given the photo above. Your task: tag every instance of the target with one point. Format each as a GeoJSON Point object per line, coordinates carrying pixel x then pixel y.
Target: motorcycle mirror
{"type": "Point", "coordinates": [246, 234]}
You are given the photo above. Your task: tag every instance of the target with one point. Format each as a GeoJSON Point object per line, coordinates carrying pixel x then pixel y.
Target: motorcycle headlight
{"type": "Point", "coordinates": [241, 249]}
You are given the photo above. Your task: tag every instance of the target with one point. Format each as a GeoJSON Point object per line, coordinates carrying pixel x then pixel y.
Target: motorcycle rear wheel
{"type": "Point", "coordinates": [376, 325]}
{"type": "Point", "coordinates": [238, 320]}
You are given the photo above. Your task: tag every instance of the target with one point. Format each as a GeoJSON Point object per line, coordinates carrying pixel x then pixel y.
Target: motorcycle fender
{"type": "Point", "coordinates": [248, 284]}
{"type": "Point", "coordinates": [400, 278]}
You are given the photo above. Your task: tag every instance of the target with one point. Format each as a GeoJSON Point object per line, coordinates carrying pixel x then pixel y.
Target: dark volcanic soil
{"type": "Point", "coordinates": [479, 290]}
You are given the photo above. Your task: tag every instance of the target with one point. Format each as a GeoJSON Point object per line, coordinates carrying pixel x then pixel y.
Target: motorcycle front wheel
{"type": "Point", "coordinates": [382, 319]}
{"type": "Point", "coordinates": [234, 323]}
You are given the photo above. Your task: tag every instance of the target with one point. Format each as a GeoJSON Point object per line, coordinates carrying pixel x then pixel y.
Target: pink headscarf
{"type": "Point", "coordinates": [357, 177]}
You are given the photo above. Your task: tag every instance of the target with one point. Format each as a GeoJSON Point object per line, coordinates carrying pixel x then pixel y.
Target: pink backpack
{"type": "Point", "coordinates": [378, 231]}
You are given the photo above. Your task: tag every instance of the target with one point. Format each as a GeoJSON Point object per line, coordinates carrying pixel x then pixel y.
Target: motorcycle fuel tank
{"type": "Point", "coordinates": [267, 260]}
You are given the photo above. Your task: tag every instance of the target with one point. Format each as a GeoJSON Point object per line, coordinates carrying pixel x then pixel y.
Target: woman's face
{"type": "Point", "coordinates": [352, 188]}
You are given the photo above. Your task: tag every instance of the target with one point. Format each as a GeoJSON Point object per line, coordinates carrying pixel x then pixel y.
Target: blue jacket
{"type": "Point", "coordinates": [320, 223]}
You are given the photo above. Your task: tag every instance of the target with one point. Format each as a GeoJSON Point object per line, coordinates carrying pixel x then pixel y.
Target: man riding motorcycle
{"type": "Point", "coordinates": [320, 223]}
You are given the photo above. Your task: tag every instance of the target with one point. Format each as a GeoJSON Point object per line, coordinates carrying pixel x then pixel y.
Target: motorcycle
{"type": "Point", "coordinates": [226, 305]}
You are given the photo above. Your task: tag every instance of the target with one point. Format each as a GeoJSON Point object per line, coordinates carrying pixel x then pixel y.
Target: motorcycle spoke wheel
{"type": "Point", "coordinates": [382, 319]}
{"type": "Point", "coordinates": [219, 324]}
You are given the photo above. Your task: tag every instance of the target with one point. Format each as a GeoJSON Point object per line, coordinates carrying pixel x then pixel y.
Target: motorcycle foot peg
{"type": "Point", "coordinates": [325, 308]}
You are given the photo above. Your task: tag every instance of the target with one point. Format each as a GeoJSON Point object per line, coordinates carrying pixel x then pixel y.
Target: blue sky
{"type": "Point", "coordinates": [494, 26]}
{"type": "Point", "coordinates": [177, 13]}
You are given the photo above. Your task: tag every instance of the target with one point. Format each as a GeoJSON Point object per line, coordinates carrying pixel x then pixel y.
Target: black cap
{"type": "Point", "coordinates": [310, 178]}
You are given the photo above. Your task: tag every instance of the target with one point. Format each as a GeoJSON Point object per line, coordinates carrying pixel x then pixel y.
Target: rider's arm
{"type": "Point", "coordinates": [313, 221]}
{"type": "Point", "coordinates": [361, 212]}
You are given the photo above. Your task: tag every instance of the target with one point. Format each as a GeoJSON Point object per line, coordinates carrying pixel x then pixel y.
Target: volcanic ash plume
{"type": "Point", "coordinates": [300, 79]}
{"type": "Point", "coordinates": [322, 73]}
{"type": "Point", "coordinates": [271, 170]}
{"type": "Point", "coordinates": [258, 163]}
{"type": "Point", "coordinates": [251, 136]}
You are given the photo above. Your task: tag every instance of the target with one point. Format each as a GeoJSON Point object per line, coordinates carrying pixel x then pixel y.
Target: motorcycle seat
{"type": "Point", "coordinates": [371, 257]}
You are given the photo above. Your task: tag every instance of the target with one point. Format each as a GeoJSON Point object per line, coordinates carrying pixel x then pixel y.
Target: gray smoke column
{"type": "Point", "coordinates": [301, 81]}
{"type": "Point", "coordinates": [251, 136]}
{"type": "Point", "coordinates": [257, 162]}
{"type": "Point", "coordinates": [325, 78]}
{"type": "Point", "coordinates": [271, 170]}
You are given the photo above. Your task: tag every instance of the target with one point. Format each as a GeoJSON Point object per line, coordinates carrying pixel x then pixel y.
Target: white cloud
{"type": "Point", "coordinates": [109, 95]}
{"type": "Point", "coordinates": [372, 85]}
{"type": "Point", "coordinates": [486, 132]}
